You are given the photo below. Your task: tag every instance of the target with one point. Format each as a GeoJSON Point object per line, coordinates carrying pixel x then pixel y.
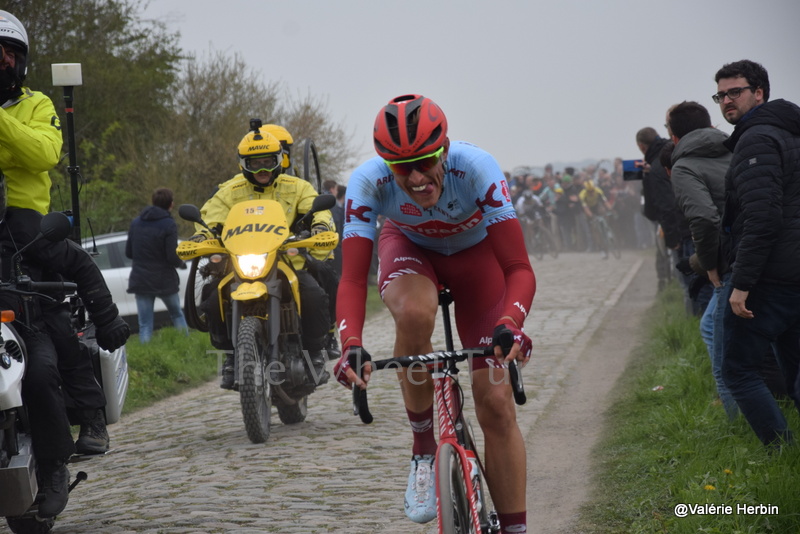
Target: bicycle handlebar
{"type": "Point", "coordinates": [433, 360]}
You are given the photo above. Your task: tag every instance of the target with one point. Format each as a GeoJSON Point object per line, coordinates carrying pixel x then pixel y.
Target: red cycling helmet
{"type": "Point", "coordinates": [409, 126]}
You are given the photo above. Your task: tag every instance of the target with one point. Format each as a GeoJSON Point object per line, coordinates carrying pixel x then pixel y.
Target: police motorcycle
{"type": "Point", "coordinates": [18, 481]}
{"type": "Point", "coordinates": [249, 265]}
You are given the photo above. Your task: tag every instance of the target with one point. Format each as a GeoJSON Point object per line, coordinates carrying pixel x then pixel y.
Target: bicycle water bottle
{"type": "Point", "coordinates": [473, 475]}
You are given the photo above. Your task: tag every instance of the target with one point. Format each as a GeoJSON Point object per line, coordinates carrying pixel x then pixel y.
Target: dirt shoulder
{"type": "Point", "coordinates": [560, 443]}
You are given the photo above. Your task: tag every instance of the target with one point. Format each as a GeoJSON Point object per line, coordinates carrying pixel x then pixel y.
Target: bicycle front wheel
{"type": "Point", "coordinates": [454, 510]}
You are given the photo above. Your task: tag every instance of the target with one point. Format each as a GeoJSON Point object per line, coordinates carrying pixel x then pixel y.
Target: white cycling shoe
{"type": "Point", "coordinates": [420, 500]}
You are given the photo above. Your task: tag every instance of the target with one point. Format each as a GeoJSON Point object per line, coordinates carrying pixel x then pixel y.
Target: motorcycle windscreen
{"type": "Point", "coordinates": [255, 227]}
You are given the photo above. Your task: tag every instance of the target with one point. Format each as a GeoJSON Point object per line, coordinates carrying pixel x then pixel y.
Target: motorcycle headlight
{"type": "Point", "coordinates": [252, 265]}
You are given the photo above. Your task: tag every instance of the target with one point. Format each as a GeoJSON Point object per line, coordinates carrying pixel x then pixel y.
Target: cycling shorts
{"type": "Point", "coordinates": [474, 276]}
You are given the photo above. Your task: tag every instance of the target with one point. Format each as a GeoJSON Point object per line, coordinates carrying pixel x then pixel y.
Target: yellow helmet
{"type": "Point", "coordinates": [283, 135]}
{"type": "Point", "coordinates": [258, 152]}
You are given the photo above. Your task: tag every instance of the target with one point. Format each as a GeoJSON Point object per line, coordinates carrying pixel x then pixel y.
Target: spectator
{"type": "Point", "coordinates": [152, 240]}
{"type": "Point", "coordinates": [761, 229]}
{"type": "Point", "coordinates": [699, 163]}
{"type": "Point", "coordinates": [659, 200]}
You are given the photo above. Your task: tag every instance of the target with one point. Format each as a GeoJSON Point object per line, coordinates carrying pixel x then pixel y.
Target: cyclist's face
{"type": "Point", "coordinates": [425, 188]}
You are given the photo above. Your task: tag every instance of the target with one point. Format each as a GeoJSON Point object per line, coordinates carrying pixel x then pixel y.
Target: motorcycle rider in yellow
{"type": "Point", "coordinates": [261, 157]}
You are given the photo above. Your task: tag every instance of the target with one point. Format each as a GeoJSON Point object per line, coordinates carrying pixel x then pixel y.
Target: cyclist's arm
{"type": "Point", "coordinates": [509, 249]}
{"type": "Point", "coordinates": [352, 295]}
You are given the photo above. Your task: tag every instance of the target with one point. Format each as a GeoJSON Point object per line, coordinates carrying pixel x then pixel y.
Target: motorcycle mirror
{"type": "Point", "coordinates": [323, 202]}
{"type": "Point", "coordinates": [320, 203]}
{"type": "Point", "coordinates": [189, 212]}
{"type": "Point", "coordinates": [55, 226]}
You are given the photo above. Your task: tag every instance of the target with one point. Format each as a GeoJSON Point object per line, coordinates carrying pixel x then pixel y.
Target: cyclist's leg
{"type": "Point", "coordinates": [408, 288]}
{"type": "Point", "coordinates": [479, 294]}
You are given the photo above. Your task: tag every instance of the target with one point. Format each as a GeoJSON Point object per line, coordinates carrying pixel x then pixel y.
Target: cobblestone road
{"type": "Point", "coordinates": [186, 466]}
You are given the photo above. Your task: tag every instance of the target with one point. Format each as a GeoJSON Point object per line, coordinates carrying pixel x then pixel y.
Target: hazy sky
{"type": "Point", "coordinates": [530, 81]}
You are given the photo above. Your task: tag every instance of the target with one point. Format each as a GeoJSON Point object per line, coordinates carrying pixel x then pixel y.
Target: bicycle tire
{"type": "Point", "coordinates": [454, 510]}
{"type": "Point", "coordinates": [193, 296]}
{"type": "Point", "coordinates": [550, 242]}
{"type": "Point", "coordinates": [482, 489]}
{"type": "Point", "coordinates": [613, 244]}
{"type": "Point", "coordinates": [255, 388]}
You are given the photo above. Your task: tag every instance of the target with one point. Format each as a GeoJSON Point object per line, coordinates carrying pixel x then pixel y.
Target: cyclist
{"type": "Point", "coordinates": [595, 206]}
{"type": "Point", "coordinates": [449, 219]}
{"type": "Point", "coordinates": [261, 160]}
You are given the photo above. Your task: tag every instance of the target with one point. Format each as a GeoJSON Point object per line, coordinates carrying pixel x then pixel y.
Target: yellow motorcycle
{"type": "Point", "coordinates": [259, 296]}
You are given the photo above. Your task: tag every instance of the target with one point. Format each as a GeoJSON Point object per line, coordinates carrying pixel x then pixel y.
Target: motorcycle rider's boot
{"type": "Point", "coordinates": [93, 437]}
{"type": "Point", "coordinates": [54, 480]}
{"type": "Point", "coordinates": [332, 347]}
{"type": "Point", "coordinates": [228, 378]}
{"type": "Point", "coordinates": [320, 375]}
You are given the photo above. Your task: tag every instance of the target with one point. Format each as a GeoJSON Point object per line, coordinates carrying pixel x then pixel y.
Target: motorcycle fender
{"type": "Point", "coordinates": [250, 291]}
{"type": "Point", "coordinates": [220, 288]}
{"type": "Point", "coordinates": [293, 283]}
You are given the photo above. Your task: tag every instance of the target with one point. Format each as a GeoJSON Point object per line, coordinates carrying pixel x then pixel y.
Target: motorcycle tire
{"type": "Point", "coordinates": [30, 525]}
{"type": "Point", "coordinates": [291, 414]}
{"type": "Point", "coordinates": [255, 386]}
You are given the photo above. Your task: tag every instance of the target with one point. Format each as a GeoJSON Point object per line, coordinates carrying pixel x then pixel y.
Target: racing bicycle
{"type": "Point", "coordinates": [460, 489]}
{"type": "Point", "coordinates": [606, 239]}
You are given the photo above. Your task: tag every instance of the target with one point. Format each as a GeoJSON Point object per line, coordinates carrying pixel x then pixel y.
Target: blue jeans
{"type": "Point", "coordinates": [144, 308]}
{"type": "Point", "coordinates": [776, 322]}
{"type": "Point", "coordinates": [711, 330]}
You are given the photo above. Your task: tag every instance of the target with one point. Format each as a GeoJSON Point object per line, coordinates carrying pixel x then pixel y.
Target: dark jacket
{"type": "Point", "coordinates": [659, 200]}
{"type": "Point", "coordinates": [762, 197]}
{"type": "Point", "coordinates": [699, 164]}
{"type": "Point", "coordinates": [152, 240]}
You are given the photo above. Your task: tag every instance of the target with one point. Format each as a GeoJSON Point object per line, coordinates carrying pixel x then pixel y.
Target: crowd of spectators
{"type": "Point", "coordinates": [559, 193]}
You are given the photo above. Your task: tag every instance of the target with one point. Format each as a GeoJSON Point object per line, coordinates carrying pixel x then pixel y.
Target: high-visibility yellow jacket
{"type": "Point", "coordinates": [294, 194]}
{"type": "Point", "coordinates": [30, 145]}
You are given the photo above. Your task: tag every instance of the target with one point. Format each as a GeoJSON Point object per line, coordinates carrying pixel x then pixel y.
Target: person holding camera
{"type": "Point", "coordinates": [30, 145]}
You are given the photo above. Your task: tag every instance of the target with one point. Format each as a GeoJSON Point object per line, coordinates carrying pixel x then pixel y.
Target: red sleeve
{"type": "Point", "coordinates": [352, 295]}
{"type": "Point", "coordinates": [509, 248]}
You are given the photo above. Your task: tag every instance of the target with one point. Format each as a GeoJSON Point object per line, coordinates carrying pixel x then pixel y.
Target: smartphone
{"type": "Point", "coordinates": [632, 169]}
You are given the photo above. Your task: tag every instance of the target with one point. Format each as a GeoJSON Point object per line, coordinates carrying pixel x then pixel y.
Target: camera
{"type": "Point", "coordinates": [632, 169]}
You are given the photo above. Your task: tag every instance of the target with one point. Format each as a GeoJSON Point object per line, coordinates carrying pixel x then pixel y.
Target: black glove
{"type": "Point", "coordinates": [113, 335]}
{"type": "Point", "coordinates": [319, 228]}
{"type": "Point", "coordinates": [198, 238]}
{"type": "Point", "coordinates": [111, 331]}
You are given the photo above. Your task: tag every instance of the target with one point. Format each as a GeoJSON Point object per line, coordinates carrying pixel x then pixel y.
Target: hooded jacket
{"type": "Point", "coordinates": [762, 197]}
{"type": "Point", "coordinates": [152, 240]}
{"type": "Point", "coordinates": [699, 164]}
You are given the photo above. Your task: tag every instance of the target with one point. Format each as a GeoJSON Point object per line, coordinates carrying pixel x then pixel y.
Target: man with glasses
{"type": "Point", "coordinates": [761, 232]}
{"type": "Point", "coordinates": [262, 177]}
{"type": "Point", "coordinates": [449, 220]}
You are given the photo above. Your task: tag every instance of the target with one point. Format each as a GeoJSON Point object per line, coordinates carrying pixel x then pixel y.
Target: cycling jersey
{"type": "Point", "coordinates": [475, 196]}
{"type": "Point", "coordinates": [475, 204]}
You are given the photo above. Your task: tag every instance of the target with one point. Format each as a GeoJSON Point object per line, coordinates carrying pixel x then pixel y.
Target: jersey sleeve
{"type": "Point", "coordinates": [509, 248]}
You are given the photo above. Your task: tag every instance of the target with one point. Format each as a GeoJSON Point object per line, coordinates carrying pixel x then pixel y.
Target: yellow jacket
{"type": "Point", "coordinates": [294, 194]}
{"type": "Point", "coordinates": [30, 145]}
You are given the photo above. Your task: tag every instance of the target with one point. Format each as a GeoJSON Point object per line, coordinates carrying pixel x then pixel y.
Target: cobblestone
{"type": "Point", "coordinates": [185, 465]}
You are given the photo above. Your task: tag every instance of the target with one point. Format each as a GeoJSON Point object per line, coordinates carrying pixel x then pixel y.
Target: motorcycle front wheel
{"type": "Point", "coordinates": [29, 525]}
{"type": "Point", "coordinates": [255, 387]}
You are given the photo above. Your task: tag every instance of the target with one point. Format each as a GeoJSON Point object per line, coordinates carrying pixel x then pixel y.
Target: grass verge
{"type": "Point", "coordinates": [668, 443]}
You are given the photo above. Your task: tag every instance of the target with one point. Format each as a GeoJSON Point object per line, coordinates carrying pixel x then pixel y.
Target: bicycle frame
{"type": "Point", "coordinates": [454, 430]}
